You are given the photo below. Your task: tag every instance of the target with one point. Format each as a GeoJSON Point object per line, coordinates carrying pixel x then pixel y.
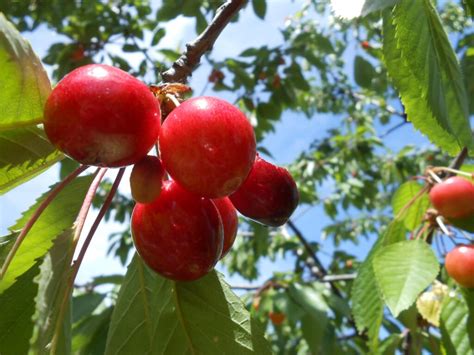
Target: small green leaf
{"type": "Point", "coordinates": [55, 219]}
{"type": "Point", "coordinates": [455, 326]}
{"type": "Point", "coordinates": [18, 305]}
{"type": "Point", "coordinates": [367, 304]}
{"type": "Point", "coordinates": [364, 72]}
{"type": "Point", "coordinates": [90, 335]}
{"type": "Point", "coordinates": [24, 84]}
{"type": "Point", "coordinates": [158, 36]}
{"type": "Point", "coordinates": [403, 270]}
{"type": "Point", "coordinates": [161, 316]}
{"type": "Point", "coordinates": [260, 8]}
{"type": "Point", "coordinates": [413, 215]}
{"type": "Point", "coordinates": [24, 154]}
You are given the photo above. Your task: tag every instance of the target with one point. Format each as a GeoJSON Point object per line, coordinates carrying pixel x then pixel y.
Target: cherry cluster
{"type": "Point", "coordinates": [454, 199]}
{"type": "Point", "coordinates": [185, 217]}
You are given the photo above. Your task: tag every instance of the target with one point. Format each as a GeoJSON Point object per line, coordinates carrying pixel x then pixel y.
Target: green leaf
{"type": "Point", "coordinates": [467, 66]}
{"type": "Point", "coordinates": [158, 36]}
{"type": "Point", "coordinates": [24, 154]}
{"type": "Point", "coordinates": [455, 326]}
{"type": "Point", "coordinates": [367, 304]}
{"type": "Point", "coordinates": [160, 316]}
{"type": "Point", "coordinates": [18, 305]}
{"type": "Point", "coordinates": [55, 219]}
{"type": "Point", "coordinates": [315, 322]}
{"type": "Point", "coordinates": [364, 72]}
{"type": "Point", "coordinates": [260, 8]}
{"type": "Point", "coordinates": [52, 281]}
{"type": "Point", "coordinates": [90, 335]}
{"type": "Point", "coordinates": [83, 305]}
{"type": "Point", "coordinates": [430, 86]}
{"type": "Point", "coordinates": [24, 84]}
{"type": "Point", "coordinates": [403, 270]}
{"type": "Point", "coordinates": [413, 215]}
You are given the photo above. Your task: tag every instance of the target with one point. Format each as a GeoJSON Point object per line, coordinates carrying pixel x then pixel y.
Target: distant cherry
{"type": "Point", "coordinates": [208, 146]}
{"type": "Point", "coordinates": [277, 318]}
{"type": "Point", "coordinates": [453, 198]}
{"type": "Point", "coordinates": [230, 222]}
{"type": "Point", "coordinates": [269, 195]}
{"type": "Point", "coordinates": [179, 234]}
{"type": "Point", "coordinates": [101, 115]}
{"type": "Point", "coordinates": [460, 265]}
{"type": "Point", "coordinates": [146, 179]}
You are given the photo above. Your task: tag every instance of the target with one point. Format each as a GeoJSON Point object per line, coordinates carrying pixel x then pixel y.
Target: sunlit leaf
{"type": "Point", "coordinates": [403, 270]}
{"type": "Point", "coordinates": [24, 84]}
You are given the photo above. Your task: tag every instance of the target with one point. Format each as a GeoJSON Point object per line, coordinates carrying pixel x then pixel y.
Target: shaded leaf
{"type": "Point", "coordinates": [18, 305]}
{"type": "Point", "coordinates": [160, 316]}
{"type": "Point", "coordinates": [260, 8]}
{"type": "Point", "coordinates": [24, 154]}
{"type": "Point", "coordinates": [24, 84]}
{"type": "Point", "coordinates": [403, 270]}
{"type": "Point", "coordinates": [364, 72]}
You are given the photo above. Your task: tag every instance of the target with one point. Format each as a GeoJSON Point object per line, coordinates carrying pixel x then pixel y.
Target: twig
{"type": "Point", "coordinates": [459, 159]}
{"type": "Point", "coordinates": [392, 129]}
{"type": "Point", "coordinates": [185, 64]}
{"type": "Point", "coordinates": [80, 257]}
{"type": "Point", "coordinates": [51, 196]}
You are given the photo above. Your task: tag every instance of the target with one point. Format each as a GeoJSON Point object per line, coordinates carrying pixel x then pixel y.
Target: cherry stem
{"type": "Point", "coordinates": [86, 204]}
{"type": "Point", "coordinates": [29, 224]}
{"type": "Point", "coordinates": [411, 202]}
{"type": "Point", "coordinates": [173, 99]}
{"type": "Point", "coordinates": [434, 176]}
{"type": "Point", "coordinates": [442, 226]}
{"type": "Point", "coordinates": [77, 263]}
{"type": "Point", "coordinates": [454, 171]}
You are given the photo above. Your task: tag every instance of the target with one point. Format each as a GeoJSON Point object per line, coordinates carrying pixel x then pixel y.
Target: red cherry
{"type": "Point", "coordinates": [179, 234]}
{"type": "Point", "coordinates": [208, 146]}
{"type": "Point", "coordinates": [453, 197]}
{"type": "Point", "coordinates": [269, 195]}
{"type": "Point", "coordinates": [365, 44]}
{"type": "Point", "coordinates": [100, 115]}
{"type": "Point", "coordinates": [146, 179]}
{"type": "Point", "coordinates": [230, 222]}
{"type": "Point", "coordinates": [460, 265]}
{"type": "Point", "coordinates": [277, 318]}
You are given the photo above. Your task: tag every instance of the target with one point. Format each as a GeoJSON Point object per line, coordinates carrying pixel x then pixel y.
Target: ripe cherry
{"type": "Point", "coordinates": [146, 179]}
{"type": "Point", "coordinates": [208, 146]}
{"type": "Point", "coordinates": [230, 222]}
{"type": "Point", "coordinates": [269, 195]}
{"type": "Point", "coordinates": [460, 265]}
{"type": "Point", "coordinates": [277, 318]}
{"type": "Point", "coordinates": [365, 44]}
{"type": "Point", "coordinates": [179, 234]}
{"type": "Point", "coordinates": [100, 115]}
{"type": "Point", "coordinates": [453, 197]}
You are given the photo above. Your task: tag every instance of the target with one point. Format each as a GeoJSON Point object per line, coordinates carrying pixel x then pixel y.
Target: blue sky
{"type": "Point", "coordinates": [292, 135]}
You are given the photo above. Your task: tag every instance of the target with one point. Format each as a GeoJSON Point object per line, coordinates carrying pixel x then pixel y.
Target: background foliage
{"type": "Point", "coordinates": [404, 64]}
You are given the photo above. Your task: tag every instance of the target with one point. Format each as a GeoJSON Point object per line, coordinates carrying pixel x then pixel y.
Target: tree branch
{"type": "Point", "coordinates": [184, 65]}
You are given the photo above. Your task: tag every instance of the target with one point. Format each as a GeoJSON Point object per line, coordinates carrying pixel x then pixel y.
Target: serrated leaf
{"type": "Point", "coordinates": [364, 72]}
{"type": "Point", "coordinates": [367, 304]}
{"type": "Point", "coordinates": [260, 8]}
{"type": "Point", "coordinates": [403, 270]}
{"type": "Point", "coordinates": [413, 215]}
{"type": "Point", "coordinates": [90, 335]}
{"type": "Point", "coordinates": [24, 84]}
{"type": "Point", "coordinates": [83, 305]}
{"type": "Point", "coordinates": [467, 66]}
{"type": "Point", "coordinates": [24, 154]}
{"type": "Point", "coordinates": [52, 281]}
{"type": "Point", "coordinates": [55, 219]}
{"type": "Point", "coordinates": [455, 326]}
{"type": "Point", "coordinates": [430, 86]}
{"type": "Point", "coordinates": [18, 305]}
{"type": "Point", "coordinates": [160, 316]}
